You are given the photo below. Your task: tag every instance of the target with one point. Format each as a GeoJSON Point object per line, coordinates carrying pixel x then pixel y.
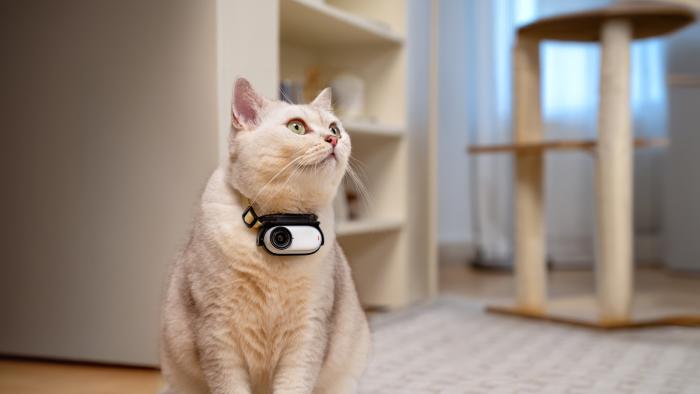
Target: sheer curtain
{"type": "Point", "coordinates": [570, 98]}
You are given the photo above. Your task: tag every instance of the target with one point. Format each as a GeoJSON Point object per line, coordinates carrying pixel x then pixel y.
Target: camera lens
{"type": "Point", "coordinates": [281, 238]}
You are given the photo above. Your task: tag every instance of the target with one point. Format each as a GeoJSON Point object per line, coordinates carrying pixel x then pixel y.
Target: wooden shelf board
{"type": "Point", "coordinates": [366, 226]}
{"type": "Point", "coordinates": [313, 24]}
{"type": "Point", "coordinates": [372, 129]}
{"type": "Point", "coordinates": [538, 147]}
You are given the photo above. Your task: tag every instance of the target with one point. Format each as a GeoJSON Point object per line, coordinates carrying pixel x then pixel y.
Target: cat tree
{"type": "Point", "coordinates": [614, 28]}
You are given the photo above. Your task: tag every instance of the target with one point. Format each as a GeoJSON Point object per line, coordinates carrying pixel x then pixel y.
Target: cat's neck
{"type": "Point", "coordinates": [222, 204]}
{"type": "Point", "coordinates": [219, 190]}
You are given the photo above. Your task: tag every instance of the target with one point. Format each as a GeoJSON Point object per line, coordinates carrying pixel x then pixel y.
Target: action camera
{"type": "Point", "coordinates": [291, 239]}
{"type": "Point", "coordinates": [286, 233]}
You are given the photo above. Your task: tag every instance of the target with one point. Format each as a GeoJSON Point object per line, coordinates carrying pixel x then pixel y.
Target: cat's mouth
{"type": "Point", "coordinates": [331, 156]}
{"type": "Point", "coordinates": [328, 160]}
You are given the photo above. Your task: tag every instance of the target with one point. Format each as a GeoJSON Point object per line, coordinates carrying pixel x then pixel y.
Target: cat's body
{"type": "Point", "coordinates": [240, 320]}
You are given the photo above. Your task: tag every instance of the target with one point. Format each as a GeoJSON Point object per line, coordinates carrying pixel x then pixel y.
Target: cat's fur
{"type": "Point", "coordinates": [239, 320]}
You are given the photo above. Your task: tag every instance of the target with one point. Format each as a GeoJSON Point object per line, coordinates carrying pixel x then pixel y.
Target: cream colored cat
{"type": "Point", "coordinates": [239, 320]}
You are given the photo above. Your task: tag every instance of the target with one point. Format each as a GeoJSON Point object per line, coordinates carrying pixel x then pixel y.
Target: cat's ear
{"type": "Point", "coordinates": [247, 106]}
{"type": "Point", "coordinates": [323, 100]}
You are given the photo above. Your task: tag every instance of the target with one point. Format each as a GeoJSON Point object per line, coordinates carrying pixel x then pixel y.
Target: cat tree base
{"type": "Point", "coordinates": [583, 312]}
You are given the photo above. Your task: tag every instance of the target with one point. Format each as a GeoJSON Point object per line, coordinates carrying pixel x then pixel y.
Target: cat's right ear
{"type": "Point", "coordinates": [246, 107]}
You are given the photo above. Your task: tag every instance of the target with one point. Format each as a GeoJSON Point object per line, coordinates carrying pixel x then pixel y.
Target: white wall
{"type": "Point", "coordinates": [247, 38]}
{"type": "Point", "coordinates": [682, 192]}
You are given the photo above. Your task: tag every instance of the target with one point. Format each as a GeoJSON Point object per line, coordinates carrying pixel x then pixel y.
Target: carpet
{"type": "Point", "coordinates": [452, 346]}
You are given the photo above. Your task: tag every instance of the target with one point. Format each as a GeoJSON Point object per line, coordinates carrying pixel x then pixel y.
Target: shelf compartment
{"type": "Point", "coordinates": [372, 129]}
{"type": "Point", "coordinates": [538, 147]}
{"type": "Point", "coordinates": [366, 226]}
{"type": "Point", "coordinates": [309, 23]}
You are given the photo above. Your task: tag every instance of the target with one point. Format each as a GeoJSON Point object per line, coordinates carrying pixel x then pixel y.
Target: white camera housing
{"type": "Point", "coordinates": [292, 239]}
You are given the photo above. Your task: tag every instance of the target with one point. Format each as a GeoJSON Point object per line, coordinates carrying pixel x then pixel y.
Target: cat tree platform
{"type": "Point", "coordinates": [589, 146]}
{"type": "Point", "coordinates": [614, 28]}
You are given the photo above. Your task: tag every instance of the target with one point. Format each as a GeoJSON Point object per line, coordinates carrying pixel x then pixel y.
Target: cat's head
{"type": "Point", "coordinates": [285, 157]}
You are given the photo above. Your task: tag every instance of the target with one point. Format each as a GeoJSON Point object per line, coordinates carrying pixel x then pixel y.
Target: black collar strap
{"type": "Point", "coordinates": [251, 219]}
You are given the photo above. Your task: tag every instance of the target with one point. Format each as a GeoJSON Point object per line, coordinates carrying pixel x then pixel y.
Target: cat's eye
{"type": "Point", "coordinates": [335, 130]}
{"type": "Point", "coordinates": [296, 126]}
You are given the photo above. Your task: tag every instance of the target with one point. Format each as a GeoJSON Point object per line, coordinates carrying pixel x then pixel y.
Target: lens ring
{"type": "Point", "coordinates": [281, 238]}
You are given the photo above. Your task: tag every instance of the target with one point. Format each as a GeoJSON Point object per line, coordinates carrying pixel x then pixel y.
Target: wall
{"type": "Point", "coordinates": [109, 132]}
{"type": "Point", "coordinates": [240, 56]}
{"type": "Point", "coordinates": [682, 191]}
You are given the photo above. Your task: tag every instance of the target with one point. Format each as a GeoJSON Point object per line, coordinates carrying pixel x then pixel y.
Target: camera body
{"type": "Point", "coordinates": [290, 234]}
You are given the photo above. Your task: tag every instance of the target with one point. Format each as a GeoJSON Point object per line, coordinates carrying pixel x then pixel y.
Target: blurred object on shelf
{"type": "Point", "coordinates": [312, 83]}
{"type": "Point", "coordinates": [353, 200]}
{"type": "Point", "coordinates": [292, 91]}
{"type": "Point", "coordinates": [349, 96]}
{"type": "Point", "coordinates": [340, 204]}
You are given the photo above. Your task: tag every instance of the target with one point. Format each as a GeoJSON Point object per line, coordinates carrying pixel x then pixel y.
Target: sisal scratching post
{"type": "Point", "coordinates": [530, 269]}
{"type": "Point", "coordinates": [614, 175]}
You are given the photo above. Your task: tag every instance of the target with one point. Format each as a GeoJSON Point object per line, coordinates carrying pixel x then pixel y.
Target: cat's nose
{"type": "Point", "coordinates": [331, 139]}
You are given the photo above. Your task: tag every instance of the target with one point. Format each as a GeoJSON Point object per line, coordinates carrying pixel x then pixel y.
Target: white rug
{"type": "Point", "coordinates": [452, 346]}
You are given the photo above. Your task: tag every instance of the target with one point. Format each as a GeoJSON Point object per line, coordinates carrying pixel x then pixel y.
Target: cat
{"type": "Point", "coordinates": [237, 319]}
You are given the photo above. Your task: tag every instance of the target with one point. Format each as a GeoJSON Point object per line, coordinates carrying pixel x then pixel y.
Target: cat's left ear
{"type": "Point", "coordinates": [323, 100]}
{"type": "Point", "coordinates": [247, 106]}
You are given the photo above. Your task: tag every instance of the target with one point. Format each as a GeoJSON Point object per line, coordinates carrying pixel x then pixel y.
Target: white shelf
{"type": "Point", "coordinates": [366, 226]}
{"type": "Point", "coordinates": [373, 129]}
{"type": "Point", "coordinates": [314, 24]}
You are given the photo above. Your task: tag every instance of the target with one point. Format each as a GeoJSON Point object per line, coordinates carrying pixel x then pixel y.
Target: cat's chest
{"type": "Point", "coordinates": [280, 293]}
{"type": "Point", "coordinates": [274, 311]}
{"type": "Point", "coordinates": [267, 292]}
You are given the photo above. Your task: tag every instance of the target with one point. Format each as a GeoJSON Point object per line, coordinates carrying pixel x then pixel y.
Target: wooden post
{"type": "Point", "coordinates": [530, 269]}
{"type": "Point", "coordinates": [614, 265]}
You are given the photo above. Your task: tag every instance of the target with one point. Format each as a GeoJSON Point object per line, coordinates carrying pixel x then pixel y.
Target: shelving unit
{"type": "Point", "coordinates": [369, 129]}
{"type": "Point", "coordinates": [363, 38]}
{"type": "Point", "coordinates": [317, 24]}
{"type": "Point", "coordinates": [357, 227]}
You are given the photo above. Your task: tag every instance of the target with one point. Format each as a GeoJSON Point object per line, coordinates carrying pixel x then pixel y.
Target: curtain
{"type": "Point", "coordinates": [570, 85]}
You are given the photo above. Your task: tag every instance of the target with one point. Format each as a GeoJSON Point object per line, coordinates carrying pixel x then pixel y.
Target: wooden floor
{"type": "Point", "coordinates": [32, 377]}
{"type": "Point", "coordinates": [661, 289]}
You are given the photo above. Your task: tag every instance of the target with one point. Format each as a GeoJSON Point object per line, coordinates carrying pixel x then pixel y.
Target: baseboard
{"type": "Point", "coordinates": [581, 252]}
{"type": "Point", "coordinates": [456, 252]}
{"type": "Point", "coordinates": [572, 253]}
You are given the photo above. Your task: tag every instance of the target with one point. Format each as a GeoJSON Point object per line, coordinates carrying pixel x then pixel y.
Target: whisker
{"type": "Point", "coordinates": [298, 169]}
{"type": "Point", "coordinates": [358, 166]}
{"type": "Point", "coordinates": [360, 187]}
{"type": "Point", "coordinates": [254, 199]}
{"type": "Point", "coordinates": [311, 150]}
{"type": "Point", "coordinates": [284, 96]}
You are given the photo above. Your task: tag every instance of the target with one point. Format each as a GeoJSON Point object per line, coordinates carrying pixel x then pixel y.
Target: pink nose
{"type": "Point", "coordinates": [331, 139]}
